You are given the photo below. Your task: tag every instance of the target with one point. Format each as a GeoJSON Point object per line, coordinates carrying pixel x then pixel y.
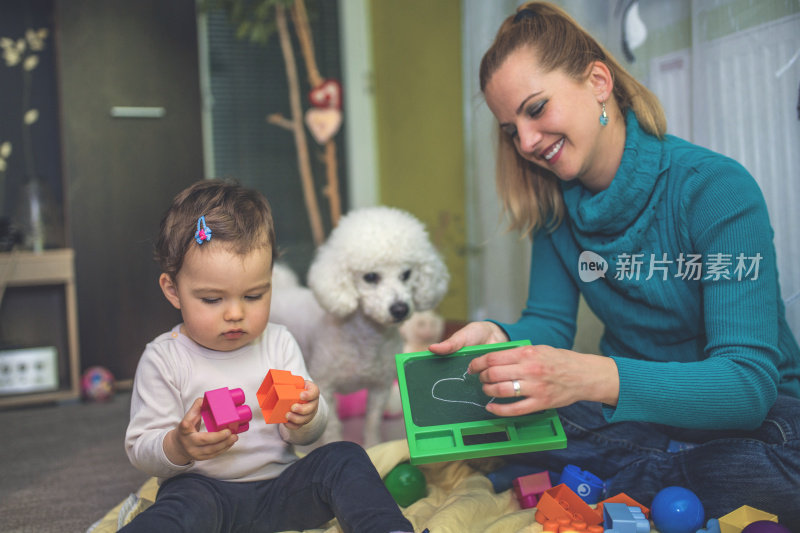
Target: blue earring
{"type": "Point", "coordinates": [604, 116]}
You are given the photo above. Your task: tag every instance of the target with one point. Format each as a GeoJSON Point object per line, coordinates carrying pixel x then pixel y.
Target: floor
{"type": "Point", "coordinates": [63, 467]}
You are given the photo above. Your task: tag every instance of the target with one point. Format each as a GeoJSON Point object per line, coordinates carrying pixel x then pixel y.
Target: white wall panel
{"type": "Point", "coordinates": [741, 108]}
{"type": "Point", "coordinates": [670, 80]}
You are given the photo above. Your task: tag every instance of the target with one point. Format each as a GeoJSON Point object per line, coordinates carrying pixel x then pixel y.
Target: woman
{"type": "Point", "coordinates": [698, 384]}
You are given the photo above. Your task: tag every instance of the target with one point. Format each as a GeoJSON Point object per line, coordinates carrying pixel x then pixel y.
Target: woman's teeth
{"type": "Point", "coordinates": [554, 151]}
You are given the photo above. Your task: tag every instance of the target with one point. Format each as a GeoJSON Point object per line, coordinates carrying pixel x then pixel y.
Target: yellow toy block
{"type": "Point", "coordinates": [736, 521]}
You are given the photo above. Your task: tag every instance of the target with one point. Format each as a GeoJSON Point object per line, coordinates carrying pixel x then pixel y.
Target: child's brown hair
{"type": "Point", "coordinates": [237, 216]}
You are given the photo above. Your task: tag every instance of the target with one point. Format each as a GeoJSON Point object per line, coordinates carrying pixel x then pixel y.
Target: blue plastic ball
{"type": "Point", "coordinates": [677, 510]}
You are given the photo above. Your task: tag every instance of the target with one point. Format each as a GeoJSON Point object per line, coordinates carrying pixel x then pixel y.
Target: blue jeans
{"type": "Point", "coordinates": [334, 480]}
{"type": "Point", "coordinates": [725, 469]}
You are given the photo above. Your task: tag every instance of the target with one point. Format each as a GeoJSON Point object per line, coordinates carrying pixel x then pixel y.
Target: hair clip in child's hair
{"type": "Point", "coordinates": [203, 232]}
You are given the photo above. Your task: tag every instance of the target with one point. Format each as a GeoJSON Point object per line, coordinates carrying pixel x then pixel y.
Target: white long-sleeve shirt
{"type": "Point", "coordinates": [174, 371]}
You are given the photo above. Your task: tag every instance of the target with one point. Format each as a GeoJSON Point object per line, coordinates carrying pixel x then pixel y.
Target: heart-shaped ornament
{"type": "Point", "coordinates": [326, 94]}
{"type": "Point", "coordinates": [323, 123]}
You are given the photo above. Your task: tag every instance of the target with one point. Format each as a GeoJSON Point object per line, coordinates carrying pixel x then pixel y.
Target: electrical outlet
{"type": "Point", "coordinates": [28, 370]}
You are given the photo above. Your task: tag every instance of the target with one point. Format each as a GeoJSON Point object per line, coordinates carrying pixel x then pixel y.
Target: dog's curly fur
{"type": "Point", "coordinates": [376, 268]}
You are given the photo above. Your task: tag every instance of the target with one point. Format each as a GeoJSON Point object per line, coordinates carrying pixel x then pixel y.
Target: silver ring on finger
{"type": "Point", "coordinates": [517, 387]}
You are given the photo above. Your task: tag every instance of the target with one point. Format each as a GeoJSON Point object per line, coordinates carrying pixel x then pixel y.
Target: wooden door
{"type": "Point", "coordinates": [121, 173]}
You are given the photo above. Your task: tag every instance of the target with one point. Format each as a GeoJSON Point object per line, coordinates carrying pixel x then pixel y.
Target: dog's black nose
{"type": "Point", "coordinates": [399, 310]}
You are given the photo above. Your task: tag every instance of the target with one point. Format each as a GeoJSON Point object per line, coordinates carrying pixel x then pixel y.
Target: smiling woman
{"type": "Point", "coordinates": [545, 114]}
{"type": "Point", "coordinates": [585, 169]}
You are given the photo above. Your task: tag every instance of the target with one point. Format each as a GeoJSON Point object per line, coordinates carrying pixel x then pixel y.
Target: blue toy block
{"type": "Point", "coordinates": [583, 483]}
{"type": "Point", "coordinates": [621, 518]}
{"type": "Point", "coordinates": [712, 526]}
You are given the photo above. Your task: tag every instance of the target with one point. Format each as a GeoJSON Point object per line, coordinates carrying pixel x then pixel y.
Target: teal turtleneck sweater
{"type": "Point", "coordinates": [702, 351]}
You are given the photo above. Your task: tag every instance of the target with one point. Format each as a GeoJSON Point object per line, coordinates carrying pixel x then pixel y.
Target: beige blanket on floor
{"type": "Point", "coordinates": [460, 498]}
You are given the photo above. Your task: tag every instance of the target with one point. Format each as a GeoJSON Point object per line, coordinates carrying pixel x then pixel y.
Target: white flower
{"type": "Point", "coordinates": [30, 62]}
{"type": "Point", "coordinates": [5, 151]}
{"type": "Point", "coordinates": [36, 38]}
{"type": "Point", "coordinates": [31, 116]}
{"type": "Point", "coordinates": [11, 55]}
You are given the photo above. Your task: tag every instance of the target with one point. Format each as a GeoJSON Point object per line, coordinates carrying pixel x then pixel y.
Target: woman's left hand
{"type": "Point", "coordinates": [546, 378]}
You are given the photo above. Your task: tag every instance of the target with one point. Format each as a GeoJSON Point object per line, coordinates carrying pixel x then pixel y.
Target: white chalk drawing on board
{"type": "Point", "coordinates": [462, 379]}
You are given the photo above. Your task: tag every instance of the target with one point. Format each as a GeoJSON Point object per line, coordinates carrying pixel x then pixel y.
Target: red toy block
{"type": "Point", "coordinates": [278, 392]}
{"type": "Point", "coordinates": [560, 502]}
{"type": "Point", "coordinates": [529, 488]}
{"type": "Point", "coordinates": [627, 500]}
{"type": "Point", "coordinates": [224, 408]}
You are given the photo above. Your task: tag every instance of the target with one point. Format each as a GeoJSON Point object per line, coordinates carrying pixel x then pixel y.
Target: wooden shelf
{"type": "Point", "coordinates": [50, 267]}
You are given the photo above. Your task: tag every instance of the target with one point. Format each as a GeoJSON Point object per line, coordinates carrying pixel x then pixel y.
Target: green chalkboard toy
{"type": "Point", "coordinates": [444, 409]}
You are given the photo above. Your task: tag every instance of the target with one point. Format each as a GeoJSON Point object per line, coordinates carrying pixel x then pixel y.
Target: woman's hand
{"type": "Point", "coordinates": [472, 334]}
{"type": "Point", "coordinates": [186, 443]}
{"type": "Point", "coordinates": [548, 377]}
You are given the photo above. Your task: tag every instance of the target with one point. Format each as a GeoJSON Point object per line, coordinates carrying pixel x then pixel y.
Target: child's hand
{"type": "Point", "coordinates": [302, 413]}
{"type": "Point", "coordinates": [187, 443]}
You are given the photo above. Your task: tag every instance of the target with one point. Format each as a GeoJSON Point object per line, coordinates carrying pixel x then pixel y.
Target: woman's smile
{"type": "Point", "coordinates": [554, 151]}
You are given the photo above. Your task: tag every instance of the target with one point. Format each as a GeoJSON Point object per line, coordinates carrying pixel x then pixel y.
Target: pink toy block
{"type": "Point", "coordinates": [350, 405]}
{"type": "Point", "coordinates": [355, 404]}
{"type": "Point", "coordinates": [277, 393]}
{"type": "Point", "coordinates": [224, 408]}
{"type": "Point", "coordinates": [561, 503]}
{"type": "Point", "coordinates": [529, 488]}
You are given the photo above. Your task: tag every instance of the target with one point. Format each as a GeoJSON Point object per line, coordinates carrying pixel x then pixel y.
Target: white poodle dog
{"type": "Point", "coordinates": [376, 268]}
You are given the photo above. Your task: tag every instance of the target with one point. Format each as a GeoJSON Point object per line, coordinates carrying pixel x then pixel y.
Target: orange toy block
{"type": "Point", "coordinates": [561, 502]}
{"type": "Point", "coordinates": [277, 393]}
